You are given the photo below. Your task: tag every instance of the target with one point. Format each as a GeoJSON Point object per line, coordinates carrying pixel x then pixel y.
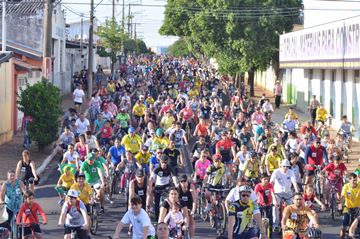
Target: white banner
{"type": "Point", "coordinates": [330, 42]}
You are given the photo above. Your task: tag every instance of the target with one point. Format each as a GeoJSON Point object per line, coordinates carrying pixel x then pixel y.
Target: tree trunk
{"type": "Point", "coordinates": [276, 67]}
{"type": "Point", "coordinates": [112, 67]}
{"type": "Point", "coordinates": [251, 74]}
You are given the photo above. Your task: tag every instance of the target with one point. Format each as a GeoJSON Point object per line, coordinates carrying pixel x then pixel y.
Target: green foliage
{"type": "Point", "coordinates": [42, 101]}
{"type": "Point", "coordinates": [141, 47]}
{"type": "Point", "coordinates": [179, 48]}
{"type": "Point", "coordinates": [242, 35]}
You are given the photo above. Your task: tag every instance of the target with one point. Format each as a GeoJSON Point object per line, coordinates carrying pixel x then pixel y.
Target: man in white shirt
{"type": "Point", "coordinates": [282, 179]}
{"type": "Point", "coordinates": [241, 158]}
{"type": "Point", "coordinates": [139, 219]}
{"type": "Point", "coordinates": [234, 195]}
{"type": "Point", "coordinates": [78, 97]}
{"type": "Point", "coordinates": [82, 125]}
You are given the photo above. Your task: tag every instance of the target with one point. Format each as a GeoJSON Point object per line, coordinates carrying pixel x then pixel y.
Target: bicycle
{"type": "Point", "coordinates": [217, 213]}
{"type": "Point", "coordinates": [94, 212]}
{"type": "Point", "coordinates": [266, 220]}
{"type": "Point", "coordinates": [15, 233]}
{"type": "Point", "coordinates": [317, 182]}
{"type": "Point", "coordinates": [354, 212]}
{"type": "Point", "coordinates": [31, 227]}
{"type": "Point", "coordinates": [333, 198]}
{"type": "Point", "coordinates": [282, 206]}
{"type": "Point", "coordinates": [114, 181]}
{"type": "Point", "coordinates": [200, 197]}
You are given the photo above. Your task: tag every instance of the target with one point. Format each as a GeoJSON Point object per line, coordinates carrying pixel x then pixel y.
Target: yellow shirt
{"type": "Point", "coordinates": [167, 121]}
{"type": "Point", "coordinates": [252, 169]}
{"type": "Point", "coordinates": [193, 92]}
{"type": "Point", "coordinates": [352, 196]}
{"type": "Point", "coordinates": [159, 143]}
{"type": "Point", "coordinates": [131, 144]}
{"type": "Point", "coordinates": [111, 87]}
{"type": "Point", "coordinates": [321, 114]}
{"type": "Point", "coordinates": [293, 115]}
{"type": "Point", "coordinates": [67, 180]}
{"type": "Point", "coordinates": [139, 110]}
{"type": "Point", "coordinates": [85, 193]}
{"type": "Point", "coordinates": [142, 158]}
{"type": "Point", "coordinates": [272, 161]}
{"type": "Point", "coordinates": [150, 100]}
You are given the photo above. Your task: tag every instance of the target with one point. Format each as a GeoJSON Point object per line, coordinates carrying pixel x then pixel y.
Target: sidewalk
{"type": "Point", "coordinates": [10, 152]}
{"type": "Point", "coordinates": [279, 114]}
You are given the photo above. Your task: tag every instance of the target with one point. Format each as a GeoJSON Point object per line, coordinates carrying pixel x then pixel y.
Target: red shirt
{"type": "Point", "coordinates": [335, 171]}
{"type": "Point", "coordinates": [262, 192]}
{"type": "Point", "coordinates": [164, 109]}
{"type": "Point", "coordinates": [303, 130]}
{"type": "Point", "coordinates": [202, 130]}
{"type": "Point", "coordinates": [187, 114]}
{"type": "Point", "coordinates": [309, 200]}
{"type": "Point", "coordinates": [30, 215]}
{"type": "Point", "coordinates": [106, 132]}
{"type": "Point", "coordinates": [224, 144]}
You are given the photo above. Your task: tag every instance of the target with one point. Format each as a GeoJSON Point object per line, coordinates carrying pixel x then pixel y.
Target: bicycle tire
{"type": "Point", "coordinates": [220, 219]}
{"type": "Point", "coordinates": [94, 219]}
{"type": "Point", "coordinates": [333, 205]}
{"type": "Point", "coordinates": [203, 214]}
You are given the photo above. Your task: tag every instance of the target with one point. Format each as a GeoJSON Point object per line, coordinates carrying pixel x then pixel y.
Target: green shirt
{"type": "Point", "coordinates": [102, 161]}
{"type": "Point", "coordinates": [91, 171]}
{"type": "Point", "coordinates": [123, 119]}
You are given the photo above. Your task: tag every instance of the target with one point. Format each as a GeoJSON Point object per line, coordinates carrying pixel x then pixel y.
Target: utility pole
{"type": "Point", "coordinates": [135, 30]}
{"type": "Point", "coordinates": [113, 11]}
{"type": "Point", "coordinates": [90, 57]}
{"type": "Point", "coordinates": [3, 28]}
{"type": "Point", "coordinates": [129, 19]}
{"type": "Point", "coordinates": [81, 39]}
{"type": "Point", "coordinates": [46, 68]}
{"type": "Point", "coordinates": [123, 16]}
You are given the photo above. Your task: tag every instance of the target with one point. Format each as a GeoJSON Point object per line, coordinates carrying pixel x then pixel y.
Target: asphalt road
{"type": "Point", "coordinates": [47, 197]}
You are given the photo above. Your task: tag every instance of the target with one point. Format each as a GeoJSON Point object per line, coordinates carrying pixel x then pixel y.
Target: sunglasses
{"type": "Point", "coordinates": [72, 197]}
{"type": "Point", "coordinates": [245, 195]}
{"type": "Point", "coordinates": [160, 152]}
{"type": "Point", "coordinates": [318, 142]}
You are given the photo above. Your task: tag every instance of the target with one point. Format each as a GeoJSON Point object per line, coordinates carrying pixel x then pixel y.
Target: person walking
{"type": "Point", "coordinates": [277, 93]}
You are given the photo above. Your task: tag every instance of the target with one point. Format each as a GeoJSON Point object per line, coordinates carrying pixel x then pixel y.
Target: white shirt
{"type": "Point", "coordinates": [78, 95]}
{"type": "Point", "coordinates": [139, 222]}
{"type": "Point", "coordinates": [282, 181]}
{"type": "Point", "coordinates": [82, 126]}
{"type": "Point", "coordinates": [242, 159]}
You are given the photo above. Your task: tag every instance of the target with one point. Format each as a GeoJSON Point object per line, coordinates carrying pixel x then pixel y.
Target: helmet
{"type": "Point", "coordinates": [244, 188]}
{"type": "Point", "coordinates": [159, 132]}
{"type": "Point", "coordinates": [73, 193]}
{"type": "Point", "coordinates": [314, 233]}
{"type": "Point", "coordinates": [131, 130]}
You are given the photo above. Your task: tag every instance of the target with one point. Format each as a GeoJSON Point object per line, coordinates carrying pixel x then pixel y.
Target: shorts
{"type": "Point", "coordinates": [248, 233]}
{"type": "Point", "coordinates": [290, 234]}
{"type": "Point", "coordinates": [338, 185]}
{"type": "Point", "coordinates": [88, 208]}
{"type": "Point", "coordinates": [96, 185]}
{"type": "Point", "coordinates": [77, 103]}
{"type": "Point", "coordinates": [81, 233]}
{"type": "Point", "coordinates": [176, 170]}
{"type": "Point", "coordinates": [27, 230]}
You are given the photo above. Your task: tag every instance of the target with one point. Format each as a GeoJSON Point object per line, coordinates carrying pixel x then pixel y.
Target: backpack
{"type": "Point", "coordinates": [77, 206]}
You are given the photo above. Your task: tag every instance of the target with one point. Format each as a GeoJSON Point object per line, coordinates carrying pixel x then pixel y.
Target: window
{"type": "Point", "coordinates": [322, 75]}
{"type": "Point", "coordinates": [38, 74]}
{"type": "Point", "coordinates": [357, 76]}
{"type": "Point", "coordinates": [344, 76]}
{"type": "Point", "coordinates": [311, 74]}
{"type": "Point", "coordinates": [30, 74]}
{"type": "Point", "coordinates": [333, 75]}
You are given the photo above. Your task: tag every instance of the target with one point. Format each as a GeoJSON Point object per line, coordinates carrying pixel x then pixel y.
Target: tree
{"type": "Point", "coordinates": [242, 35]}
{"type": "Point", "coordinates": [179, 48]}
{"type": "Point", "coordinates": [141, 47]}
{"type": "Point", "coordinates": [41, 101]}
{"type": "Point", "coordinates": [112, 38]}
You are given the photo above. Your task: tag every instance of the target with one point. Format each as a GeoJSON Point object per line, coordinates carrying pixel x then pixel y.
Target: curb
{"type": "Point", "coordinates": [50, 157]}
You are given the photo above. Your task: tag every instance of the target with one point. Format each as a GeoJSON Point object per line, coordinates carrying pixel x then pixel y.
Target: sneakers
{"type": "Point", "coordinates": [102, 210]}
{"type": "Point", "coordinates": [61, 202]}
{"type": "Point", "coordinates": [208, 207]}
{"type": "Point", "coordinates": [276, 229]}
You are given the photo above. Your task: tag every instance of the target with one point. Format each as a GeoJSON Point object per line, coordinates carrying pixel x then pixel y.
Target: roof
{"type": "Point", "coordinates": [23, 50]}
{"type": "Point", "coordinates": [24, 6]}
{"type": "Point", "coordinates": [24, 65]}
{"type": "Point", "coordinates": [5, 56]}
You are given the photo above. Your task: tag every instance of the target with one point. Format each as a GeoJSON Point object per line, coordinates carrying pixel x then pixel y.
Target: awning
{"type": "Point", "coordinates": [26, 66]}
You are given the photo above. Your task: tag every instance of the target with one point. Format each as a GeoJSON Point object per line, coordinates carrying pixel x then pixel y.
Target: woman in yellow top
{"type": "Point", "coordinates": [131, 141]}
{"type": "Point", "coordinates": [139, 109]}
{"type": "Point", "coordinates": [272, 161]}
{"type": "Point", "coordinates": [84, 190]}
{"type": "Point", "coordinates": [321, 114]}
{"type": "Point", "coordinates": [65, 182]}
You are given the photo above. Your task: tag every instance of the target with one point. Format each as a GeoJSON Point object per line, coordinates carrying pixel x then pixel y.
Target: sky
{"type": "Point", "coordinates": [148, 17]}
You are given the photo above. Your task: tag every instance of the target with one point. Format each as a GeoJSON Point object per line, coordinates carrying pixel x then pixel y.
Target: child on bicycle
{"type": "Point", "coordinates": [310, 199]}
{"type": "Point", "coordinates": [66, 180]}
{"type": "Point", "coordinates": [28, 217]}
{"type": "Point", "coordinates": [175, 220]}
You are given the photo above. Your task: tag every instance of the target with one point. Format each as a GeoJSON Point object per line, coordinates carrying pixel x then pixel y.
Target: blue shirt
{"type": "Point", "coordinates": [116, 154]}
{"type": "Point", "coordinates": [154, 161]}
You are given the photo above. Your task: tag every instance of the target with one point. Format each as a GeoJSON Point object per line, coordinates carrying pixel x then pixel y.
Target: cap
{"type": "Point", "coordinates": [139, 173]}
{"type": "Point", "coordinates": [159, 132]}
{"type": "Point", "coordinates": [144, 147]}
{"type": "Point", "coordinates": [285, 163]}
{"type": "Point", "coordinates": [81, 175]}
{"type": "Point", "coordinates": [67, 169]}
{"type": "Point", "coordinates": [94, 150]}
{"type": "Point", "coordinates": [91, 156]}
{"type": "Point", "coordinates": [183, 178]}
{"type": "Point", "coordinates": [131, 130]}
{"type": "Point", "coordinates": [73, 193]}
{"type": "Point", "coordinates": [264, 175]}
{"type": "Point", "coordinates": [164, 158]}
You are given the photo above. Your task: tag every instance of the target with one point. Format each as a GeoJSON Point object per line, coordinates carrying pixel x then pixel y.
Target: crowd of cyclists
{"type": "Point", "coordinates": [181, 142]}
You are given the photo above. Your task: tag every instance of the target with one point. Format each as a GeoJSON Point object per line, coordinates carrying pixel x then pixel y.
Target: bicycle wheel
{"type": "Point", "coordinates": [220, 219]}
{"type": "Point", "coordinates": [203, 213]}
{"type": "Point", "coordinates": [333, 206]}
{"type": "Point", "coordinates": [94, 219]}
{"type": "Point", "coordinates": [318, 188]}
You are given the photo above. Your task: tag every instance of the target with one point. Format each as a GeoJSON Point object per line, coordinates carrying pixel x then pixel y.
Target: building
{"type": "Point", "coordinates": [323, 59]}
{"type": "Point", "coordinates": [24, 31]}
